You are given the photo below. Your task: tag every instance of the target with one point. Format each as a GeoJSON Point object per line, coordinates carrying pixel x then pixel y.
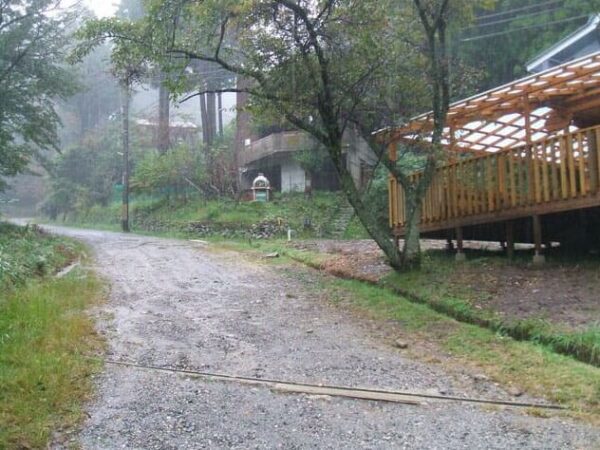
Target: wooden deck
{"type": "Point", "coordinates": [554, 175]}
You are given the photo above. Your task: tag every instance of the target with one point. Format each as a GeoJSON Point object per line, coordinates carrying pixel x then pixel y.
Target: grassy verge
{"type": "Point", "coordinates": [44, 333]}
{"type": "Point", "coordinates": [534, 368]}
{"type": "Point", "coordinates": [27, 252]}
{"type": "Point", "coordinates": [224, 217]}
{"type": "Point", "coordinates": [433, 287]}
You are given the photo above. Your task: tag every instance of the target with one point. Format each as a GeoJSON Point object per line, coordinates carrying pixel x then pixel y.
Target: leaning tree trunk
{"type": "Point", "coordinates": [365, 214]}
{"type": "Point", "coordinates": [411, 251]}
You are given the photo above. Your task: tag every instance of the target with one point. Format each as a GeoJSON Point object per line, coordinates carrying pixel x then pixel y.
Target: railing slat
{"type": "Point", "coordinates": [537, 181]}
{"type": "Point", "coordinates": [563, 169]}
{"type": "Point", "coordinates": [490, 183]}
{"type": "Point", "coordinates": [582, 163]}
{"type": "Point", "coordinates": [513, 179]}
{"type": "Point", "coordinates": [571, 162]}
{"type": "Point", "coordinates": [545, 178]}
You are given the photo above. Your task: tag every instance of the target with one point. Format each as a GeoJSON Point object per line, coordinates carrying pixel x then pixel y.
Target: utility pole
{"type": "Point", "coordinates": [125, 101]}
{"type": "Point", "coordinates": [164, 139]}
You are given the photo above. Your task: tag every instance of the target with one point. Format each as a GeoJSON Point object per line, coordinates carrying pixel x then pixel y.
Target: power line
{"type": "Point", "coordinates": [510, 19]}
{"type": "Point", "coordinates": [500, 33]}
{"type": "Point", "coordinates": [523, 8]}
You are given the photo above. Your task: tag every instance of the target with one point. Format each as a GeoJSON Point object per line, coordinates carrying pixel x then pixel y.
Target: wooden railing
{"type": "Point", "coordinates": [556, 170]}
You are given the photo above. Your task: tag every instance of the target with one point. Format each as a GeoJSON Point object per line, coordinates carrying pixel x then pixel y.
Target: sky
{"type": "Point", "coordinates": [102, 8]}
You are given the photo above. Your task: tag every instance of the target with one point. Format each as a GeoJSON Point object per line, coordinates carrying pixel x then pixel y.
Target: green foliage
{"type": "Point", "coordinates": [32, 79]}
{"type": "Point", "coordinates": [502, 44]}
{"type": "Point", "coordinates": [85, 174]}
{"type": "Point", "coordinates": [178, 168]}
{"type": "Point", "coordinates": [170, 213]}
{"type": "Point", "coordinates": [26, 253]}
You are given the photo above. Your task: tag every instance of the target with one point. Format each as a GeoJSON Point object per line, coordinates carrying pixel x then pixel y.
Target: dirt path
{"type": "Point", "coordinates": [178, 304]}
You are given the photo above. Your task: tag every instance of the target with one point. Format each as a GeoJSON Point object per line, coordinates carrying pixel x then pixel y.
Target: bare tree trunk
{"type": "Point", "coordinates": [163, 117]}
{"type": "Point", "coordinates": [220, 112]}
{"type": "Point", "coordinates": [205, 125]}
{"type": "Point", "coordinates": [411, 251]}
{"type": "Point", "coordinates": [211, 107]}
{"type": "Point", "coordinates": [125, 99]}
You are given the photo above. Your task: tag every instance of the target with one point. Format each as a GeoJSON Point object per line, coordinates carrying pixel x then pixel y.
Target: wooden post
{"type": "Point", "coordinates": [449, 243]}
{"type": "Point", "coordinates": [529, 141]}
{"type": "Point", "coordinates": [538, 258]}
{"type": "Point", "coordinates": [510, 239]}
{"type": "Point", "coordinates": [460, 255]}
{"type": "Point", "coordinates": [594, 163]}
{"type": "Point", "coordinates": [393, 151]}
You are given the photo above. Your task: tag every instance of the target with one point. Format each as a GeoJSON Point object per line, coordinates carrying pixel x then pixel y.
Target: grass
{"type": "Point", "coordinates": [27, 252]}
{"type": "Point", "coordinates": [44, 335]}
{"type": "Point", "coordinates": [44, 377]}
{"type": "Point", "coordinates": [532, 367]}
{"type": "Point", "coordinates": [227, 216]}
{"type": "Point", "coordinates": [433, 286]}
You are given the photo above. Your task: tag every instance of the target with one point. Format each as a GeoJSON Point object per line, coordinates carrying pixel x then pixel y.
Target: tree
{"type": "Point", "coordinates": [32, 79]}
{"type": "Point", "coordinates": [133, 11]}
{"type": "Point", "coordinates": [97, 99]}
{"type": "Point", "coordinates": [507, 33]}
{"type": "Point", "coordinates": [326, 67]}
{"type": "Point", "coordinates": [129, 65]}
{"type": "Point", "coordinates": [85, 173]}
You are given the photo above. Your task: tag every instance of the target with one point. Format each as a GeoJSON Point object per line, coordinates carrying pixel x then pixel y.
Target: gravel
{"type": "Point", "coordinates": [182, 305]}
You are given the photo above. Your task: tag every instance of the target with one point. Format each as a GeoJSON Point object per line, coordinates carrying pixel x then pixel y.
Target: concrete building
{"type": "Point", "coordinates": [276, 156]}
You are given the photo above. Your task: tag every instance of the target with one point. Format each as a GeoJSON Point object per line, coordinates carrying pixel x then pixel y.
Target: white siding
{"type": "Point", "coordinates": [293, 178]}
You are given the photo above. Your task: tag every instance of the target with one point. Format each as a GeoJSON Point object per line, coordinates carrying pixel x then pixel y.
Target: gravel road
{"type": "Point", "coordinates": [182, 305]}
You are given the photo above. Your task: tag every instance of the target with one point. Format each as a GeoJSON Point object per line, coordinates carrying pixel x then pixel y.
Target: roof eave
{"type": "Point", "coordinates": [592, 24]}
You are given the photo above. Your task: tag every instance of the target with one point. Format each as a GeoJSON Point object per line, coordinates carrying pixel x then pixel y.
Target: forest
{"type": "Point", "coordinates": [141, 73]}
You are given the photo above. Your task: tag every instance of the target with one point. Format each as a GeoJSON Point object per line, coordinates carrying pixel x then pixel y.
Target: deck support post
{"type": "Point", "coordinates": [538, 258]}
{"type": "Point", "coordinates": [460, 255]}
{"type": "Point", "coordinates": [510, 239]}
{"type": "Point", "coordinates": [397, 241]}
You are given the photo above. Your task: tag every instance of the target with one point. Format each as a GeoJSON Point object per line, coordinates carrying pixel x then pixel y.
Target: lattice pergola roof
{"type": "Point", "coordinates": [565, 97]}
